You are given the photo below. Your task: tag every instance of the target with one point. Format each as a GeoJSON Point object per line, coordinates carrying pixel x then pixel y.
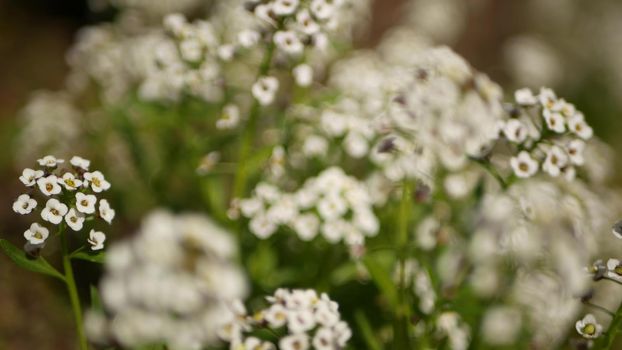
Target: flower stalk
{"type": "Point", "coordinates": [72, 289]}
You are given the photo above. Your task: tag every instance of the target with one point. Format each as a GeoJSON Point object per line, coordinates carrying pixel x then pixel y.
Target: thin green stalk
{"type": "Point", "coordinates": [606, 341]}
{"type": "Point", "coordinates": [246, 142]}
{"type": "Point", "coordinates": [402, 312]}
{"type": "Point", "coordinates": [492, 171]}
{"type": "Point", "coordinates": [72, 289]}
{"type": "Point", "coordinates": [366, 331]}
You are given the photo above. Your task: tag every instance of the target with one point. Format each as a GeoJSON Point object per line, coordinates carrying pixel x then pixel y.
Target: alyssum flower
{"type": "Point", "coordinates": [70, 197]}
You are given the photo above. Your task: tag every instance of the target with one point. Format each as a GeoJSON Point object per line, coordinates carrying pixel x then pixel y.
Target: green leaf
{"type": "Point", "coordinates": [22, 260]}
{"type": "Point", "coordinates": [98, 258]}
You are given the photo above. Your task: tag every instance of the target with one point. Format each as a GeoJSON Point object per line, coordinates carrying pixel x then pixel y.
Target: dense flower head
{"type": "Point", "coordinates": [68, 193]}
{"type": "Point", "coordinates": [309, 321]}
{"type": "Point", "coordinates": [549, 132]}
{"type": "Point", "coordinates": [168, 284]}
{"type": "Point", "coordinates": [332, 204]}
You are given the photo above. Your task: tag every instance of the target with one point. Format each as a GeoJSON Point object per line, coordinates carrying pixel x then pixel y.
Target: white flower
{"type": "Point", "coordinates": [300, 321]}
{"type": "Point", "coordinates": [614, 270]}
{"type": "Point", "coordinates": [332, 207]}
{"type": "Point", "coordinates": [284, 7]}
{"type": "Point", "coordinates": [74, 219]}
{"type": "Point", "coordinates": [24, 204]}
{"type": "Point", "coordinates": [306, 226]}
{"type": "Point", "coordinates": [303, 74]}
{"type": "Point", "coordinates": [97, 181]}
{"type": "Point", "coordinates": [323, 339]}
{"type": "Point", "coordinates": [264, 89]}
{"type": "Point", "coordinates": [577, 125]}
{"type": "Point", "coordinates": [80, 162]}
{"type": "Point", "coordinates": [49, 185]}
{"type": "Point", "coordinates": [276, 315]}
{"type": "Point", "coordinates": [306, 23]}
{"type": "Point", "coordinates": [36, 234]}
{"type": "Point", "coordinates": [70, 181]}
{"type": "Point", "coordinates": [525, 97]}
{"type": "Point", "coordinates": [555, 121]}
{"type": "Point", "coordinates": [617, 229]}
{"type": "Point", "coordinates": [575, 150]}
{"type": "Point", "coordinates": [523, 165]}
{"type": "Point", "coordinates": [85, 203]}
{"type": "Point", "coordinates": [226, 52]}
{"type": "Point", "coordinates": [54, 211]}
{"type": "Point", "coordinates": [556, 159]}
{"type": "Point", "coordinates": [515, 131]}
{"type": "Point", "coordinates": [29, 176]}
{"type": "Point", "coordinates": [322, 9]}
{"type": "Point", "coordinates": [294, 342]}
{"type": "Point", "coordinates": [96, 240]}
{"type": "Point", "coordinates": [248, 38]}
{"type": "Point", "coordinates": [315, 145]}
{"type": "Point", "coordinates": [50, 161]}
{"type": "Point", "coordinates": [264, 12]}
{"type": "Point", "coordinates": [191, 49]}
{"type": "Point", "coordinates": [288, 42]}
{"type": "Point", "coordinates": [262, 226]}
{"type": "Point", "coordinates": [547, 98]}
{"type": "Point", "coordinates": [175, 23]}
{"type": "Point", "coordinates": [230, 117]}
{"type": "Point", "coordinates": [588, 327]}
{"type": "Point", "coordinates": [105, 212]}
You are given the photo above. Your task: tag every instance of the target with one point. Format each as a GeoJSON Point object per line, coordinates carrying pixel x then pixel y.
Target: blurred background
{"type": "Point", "coordinates": [573, 46]}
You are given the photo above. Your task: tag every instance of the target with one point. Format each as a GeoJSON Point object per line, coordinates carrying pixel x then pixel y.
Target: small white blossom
{"type": "Point", "coordinates": [54, 211]}
{"type": "Point", "coordinates": [105, 211]}
{"type": "Point", "coordinates": [248, 38]}
{"type": "Point", "coordinates": [36, 234]}
{"type": "Point", "coordinates": [50, 161]}
{"type": "Point", "coordinates": [306, 23]}
{"type": "Point", "coordinates": [96, 240]}
{"type": "Point", "coordinates": [575, 149]}
{"type": "Point", "coordinates": [74, 220]}
{"type": "Point", "coordinates": [556, 159]}
{"type": "Point", "coordinates": [294, 342]}
{"type": "Point", "coordinates": [614, 270]}
{"type": "Point", "coordinates": [555, 121]}
{"type": "Point", "coordinates": [262, 226]}
{"type": "Point", "coordinates": [303, 74]}
{"type": "Point", "coordinates": [588, 328]}
{"type": "Point", "coordinates": [85, 203]}
{"type": "Point", "coordinates": [578, 126]}
{"type": "Point", "coordinates": [322, 9]}
{"type": "Point", "coordinates": [288, 42]}
{"type": "Point", "coordinates": [49, 185]}
{"type": "Point", "coordinates": [230, 117]}
{"type": "Point", "coordinates": [97, 181]}
{"type": "Point", "coordinates": [70, 181]}
{"type": "Point", "coordinates": [284, 7]}
{"type": "Point", "coordinates": [80, 162]}
{"type": "Point", "coordinates": [515, 131]}
{"type": "Point", "coordinates": [265, 89]}
{"type": "Point", "coordinates": [29, 176]}
{"type": "Point", "coordinates": [24, 204]}
{"type": "Point", "coordinates": [523, 165]}
{"type": "Point", "coordinates": [525, 97]}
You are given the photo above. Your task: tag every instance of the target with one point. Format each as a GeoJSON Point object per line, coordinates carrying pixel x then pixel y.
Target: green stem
{"type": "Point", "coordinates": [366, 331]}
{"type": "Point", "coordinates": [402, 312]}
{"type": "Point", "coordinates": [246, 143]}
{"type": "Point", "coordinates": [606, 341]}
{"type": "Point", "coordinates": [492, 171]}
{"type": "Point", "coordinates": [72, 289]}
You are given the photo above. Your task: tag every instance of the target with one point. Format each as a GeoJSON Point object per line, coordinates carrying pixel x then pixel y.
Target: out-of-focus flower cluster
{"type": "Point", "coordinates": [170, 284]}
{"type": "Point", "coordinates": [71, 199]}
{"type": "Point", "coordinates": [303, 319]}
{"type": "Point", "coordinates": [334, 204]}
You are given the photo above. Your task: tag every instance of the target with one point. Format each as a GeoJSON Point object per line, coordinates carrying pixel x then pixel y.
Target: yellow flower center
{"type": "Point", "coordinates": [589, 329]}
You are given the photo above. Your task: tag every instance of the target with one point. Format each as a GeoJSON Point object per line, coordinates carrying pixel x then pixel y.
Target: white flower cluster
{"type": "Point", "coordinates": [168, 284]}
{"type": "Point", "coordinates": [71, 198]}
{"type": "Point", "coordinates": [50, 123]}
{"type": "Point", "coordinates": [311, 321]}
{"type": "Point", "coordinates": [334, 204]}
{"type": "Point", "coordinates": [451, 325]}
{"type": "Point", "coordinates": [549, 133]}
{"type": "Point", "coordinates": [187, 62]}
